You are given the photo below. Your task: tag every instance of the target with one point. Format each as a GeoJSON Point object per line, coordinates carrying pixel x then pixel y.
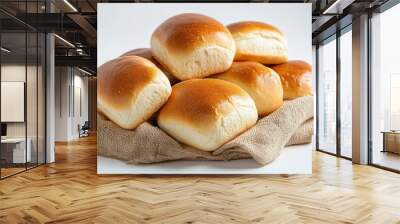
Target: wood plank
{"type": "Point", "coordinates": [70, 191]}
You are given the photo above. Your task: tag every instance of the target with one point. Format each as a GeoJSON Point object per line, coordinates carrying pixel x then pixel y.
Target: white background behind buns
{"type": "Point", "coordinates": [133, 25]}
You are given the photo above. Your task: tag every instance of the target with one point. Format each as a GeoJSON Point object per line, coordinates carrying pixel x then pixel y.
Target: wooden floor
{"type": "Point", "coordinates": [387, 159]}
{"type": "Point", "coordinates": [10, 171]}
{"type": "Point", "coordinates": [70, 191]}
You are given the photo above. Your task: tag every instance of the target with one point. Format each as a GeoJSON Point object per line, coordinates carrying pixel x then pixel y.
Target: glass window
{"type": "Point", "coordinates": [22, 92]}
{"type": "Point", "coordinates": [31, 99]}
{"type": "Point", "coordinates": [346, 94]}
{"type": "Point", "coordinates": [14, 151]}
{"type": "Point", "coordinates": [385, 84]}
{"type": "Point", "coordinates": [41, 79]}
{"type": "Point", "coordinates": [327, 97]}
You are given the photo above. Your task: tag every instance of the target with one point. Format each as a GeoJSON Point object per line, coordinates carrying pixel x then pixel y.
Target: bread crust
{"type": "Point", "coordinates": [193, 46]}
{"type": "Point", "coordinates": [257, 41]}
{"type": "Point", "coordinates": [146, 53]}
{"type": "Point", "coordinates": [260, 82]}
{"type": "Point", "coordinates": [296, 78]}
{"type": "Point", "coordinates": [206, 113]}
{"type": "Point", "coordinates": [130, 90]}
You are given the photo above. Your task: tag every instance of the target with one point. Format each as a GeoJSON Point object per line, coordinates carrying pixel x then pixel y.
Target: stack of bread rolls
{"type": "Point", "coordinates": [205, 83]}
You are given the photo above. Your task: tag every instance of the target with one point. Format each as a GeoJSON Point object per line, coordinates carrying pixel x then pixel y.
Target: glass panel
{"type": "Point", "coordinates": [386, 89]}
{"type": "Point", "coordinates": [23, 89]}
{"type": "Point", "coordinates": [31, 98]}
{"type": "Point", "coordinates": [13, 89]}
{"type": "Point", "coordinates": [41, 98]}
{"type": "Point", "coordinates": [346, 94]}
{"type": "Point", "coordinates": [327, 97]}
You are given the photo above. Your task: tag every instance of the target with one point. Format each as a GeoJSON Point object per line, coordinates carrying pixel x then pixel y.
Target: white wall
{"type": "Point", "coordinates": [314, 84]}
{"type": "Point", "coordinates": [70, 83]}
{"type": "Point", "coordinates": [79, 117]}
{"type": "Point", "coordinates": [360, 89]}
{"type": "Point", "coordinates": [314, 66]}
{"type": "Point", "coordinates": [12, 73]}
{"type": "Point", "coordinates": [114, 38]}
{"type": "Point", "coordinates": [34, 126]}
{"type": "Point", "coordinates": [50, 94]}
{"type": "Point", "coordinates": [61, 103]}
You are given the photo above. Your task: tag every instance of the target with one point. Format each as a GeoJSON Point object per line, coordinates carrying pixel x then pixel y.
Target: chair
{"type": "Point", "coordinates": [84, 130]}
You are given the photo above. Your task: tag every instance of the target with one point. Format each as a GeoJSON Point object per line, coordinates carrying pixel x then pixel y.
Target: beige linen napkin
{"type": "Point", "coordinates": [289, 125]}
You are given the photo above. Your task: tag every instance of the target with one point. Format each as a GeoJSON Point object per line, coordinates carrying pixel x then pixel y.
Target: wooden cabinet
{"type": "Point", "coordinates": [391, 141]}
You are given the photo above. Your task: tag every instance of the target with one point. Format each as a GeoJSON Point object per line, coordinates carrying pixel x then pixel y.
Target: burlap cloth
{"type": "Point", "coordinates": [291, 124]}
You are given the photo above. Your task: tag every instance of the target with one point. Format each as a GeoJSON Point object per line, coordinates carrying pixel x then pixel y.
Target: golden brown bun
{"type": "Point", "coordinates": [296, 79]}
{"type": "Point", "coordinates": [130, 89]}
{"type": "Point", "coordinates": [257, 41]}
{"type": "Point", "coordinates": [146, 53]}
{"type": "Point", "coordinates": [261, 83]}
{"type": "Point", "coordinates": [142, 52]}
{"type": "Point", "coordinates": [206, 113]}
{"type": "Point", "coordinates": [193, 46]}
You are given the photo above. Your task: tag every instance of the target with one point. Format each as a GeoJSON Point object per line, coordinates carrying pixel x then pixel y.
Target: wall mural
{"type": "Point", "coordinates": [204, 88]}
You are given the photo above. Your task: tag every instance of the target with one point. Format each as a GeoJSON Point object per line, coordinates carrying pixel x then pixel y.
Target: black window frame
{"type": "Point", "coordinates": [334, 37]}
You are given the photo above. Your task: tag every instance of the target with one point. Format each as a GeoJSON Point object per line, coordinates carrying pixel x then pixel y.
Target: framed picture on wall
{"type": "Point", "coordinates": [12, 101]}
{"type": "Point", "coordinates": [204, 88]}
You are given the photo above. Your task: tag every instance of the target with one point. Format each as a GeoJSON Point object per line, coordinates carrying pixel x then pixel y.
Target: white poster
{"type": "Point", "coordinates": [204, 88]}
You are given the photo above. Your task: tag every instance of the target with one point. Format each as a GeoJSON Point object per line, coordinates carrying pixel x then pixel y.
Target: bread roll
{"type": "Point", "coordinates": [260, 82]}
{"type": "Point", "coordinates": [193, 46]}
{"type": "Point", "coordinates": [130, 90]}
{"type": "Point", "coordinates": [206, 113]}
{"type": "Point", "coordinates": [296, 79]}
{"type": "Point", "coordinates": [146, 53]}
{"type": "Point", "coordinates": [257, 41]}
{"type": "Point", "coordinates": [141, 52]}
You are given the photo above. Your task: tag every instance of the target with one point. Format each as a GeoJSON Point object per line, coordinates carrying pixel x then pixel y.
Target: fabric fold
{"type": "Point", "coordinates": [289, 125]}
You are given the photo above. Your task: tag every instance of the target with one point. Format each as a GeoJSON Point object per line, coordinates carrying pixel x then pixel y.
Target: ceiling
{"type": "Point", "coordinates": [76, 22]}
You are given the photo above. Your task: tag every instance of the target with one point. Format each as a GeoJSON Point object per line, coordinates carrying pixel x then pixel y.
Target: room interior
{"type": "Point", "coordinates": [49, 121]}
